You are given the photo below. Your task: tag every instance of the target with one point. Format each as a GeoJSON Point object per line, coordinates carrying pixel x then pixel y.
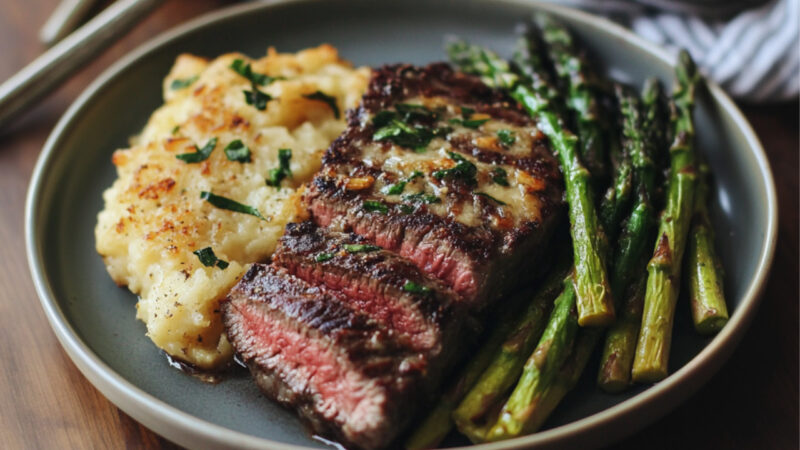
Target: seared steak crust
{"type": "Point", "coordinates": [377, 282]}
{"type": "Point", "coordinates": [344, 373]}
{"type": "Point", "coordinates": [462, 235]}
{"type": "Point", "coordinates": [321, 312]}
{"type": "Point", "coordinates": [439, 198]}
{"type": "Point", "coordinates": [397, 82]}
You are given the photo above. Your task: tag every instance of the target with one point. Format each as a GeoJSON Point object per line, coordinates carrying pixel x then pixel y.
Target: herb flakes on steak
{"type": "Point", "coordinates": [439, 197]}
{"type": "Point", "coordinates": [372, 280]}
{"type": "Point", "coordinates": [422, 170]}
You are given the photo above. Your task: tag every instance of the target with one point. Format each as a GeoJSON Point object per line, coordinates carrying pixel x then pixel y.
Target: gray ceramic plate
{"type": "Point", "coordinates": [94, 319]}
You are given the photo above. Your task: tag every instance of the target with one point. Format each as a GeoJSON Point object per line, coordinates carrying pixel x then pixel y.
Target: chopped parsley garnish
{"type": "Point", "coordinates": [175, 130]}
{"type": "Point", "coordinates": [421, 197]}
{"type": "Point", "coordinates": [254, 97]}
{"type": "Point", "coordinates": [230, 205]}
{"type": "Point", "coordinates": [417, 137]}
{"type": "Point", "coordinates": [201, 154]}
{"type": "Point", "coordinates": [465, 120]}
{"type": "Point", "coordinates": [394, 189]}
{"type": "Point", "coordinates": [469, 123]}
{"type": "Point", "coordinates": [415, 288]}
{"type": "Point", "coordinates": [405, 209]}
{"type": "Point", "coordinates": [415, 112]}
{"type": "Point", "coordinates": [322, 257]}
{"type": "Point", "coordinates": [361, 248]}
{"type": "Point", "coordinates": [397, 188]}
{"type": "Point", "coordinates": [463, 170]}
{"type": "Point", "coordinates": [257, 98]}
{"type": "Point", "coordinates": [383, 118]}
{"type": "Point", "coordinates": [457, 157]}
{"type": "Point", "coordinates": [442, 131]}
{"type": "Point", "coordinates": [506, 137]}
{"type": "Point", "coordinates": [485, 195]}
{"type": "Point", "coordinates": [415, 174]}
{"type": "Point", "coordinates": [182, 83]}
{"type": "Point", "coordinates": [284, 156]}
{"type": "Point", "coordinates": [394, 126]}
{"type": "Point", "coordinates": [276, 175]}
{"type": "Point", "coordinates": [246, 70]}
{"type": "Point", "coordinates": [237, 151]}
{"type": "Point", "coordinates": [323, 97]}
{"type": "Point", "coordinates": [209, 259]}
{"type": "Point", "coordinates": [375, 206]}
{"type": "Point", "coordinates": [500, 176]}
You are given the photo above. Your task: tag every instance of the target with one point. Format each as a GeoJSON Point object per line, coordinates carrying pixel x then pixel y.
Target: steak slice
{"type": "Point", "coordinates": [350, 377]}
{"type": "Point", "coordinates": [448, 173]}
{"type": "Point", "coordinates": [377, 282]}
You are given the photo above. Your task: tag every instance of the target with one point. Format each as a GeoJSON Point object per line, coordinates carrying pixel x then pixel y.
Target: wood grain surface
{"type": "Point", "coordinates": [46, 403]}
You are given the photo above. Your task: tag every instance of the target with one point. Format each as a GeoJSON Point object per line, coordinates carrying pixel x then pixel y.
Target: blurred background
{"type": "Point", "coordinates": [749, 47]}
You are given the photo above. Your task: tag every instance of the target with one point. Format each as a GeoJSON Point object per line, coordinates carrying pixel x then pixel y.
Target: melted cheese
{"type": "Point", "coordinates": [519, 199]}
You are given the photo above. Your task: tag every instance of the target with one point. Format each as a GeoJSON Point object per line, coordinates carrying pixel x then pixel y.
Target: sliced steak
{"type": "Point", "coordinates": [448, 173]}
{"type": "Point", "coordinates": [377, 282]}
{"type": "Point", "coordinates": [457, 186]}
{"type": "Point", "coordinates": [309, 348]}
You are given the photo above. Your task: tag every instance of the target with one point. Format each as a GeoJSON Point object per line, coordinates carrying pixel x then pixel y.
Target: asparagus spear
{"type": "Point", "coordinates": [438, 423]}
{"type": "Point", "coordinates": [616, 194]}
{"type": "Point", "coordinates": [572, 369]}
{"type": "Point", "coordinates": [595, 305]}
{"type": "Point", "coordinates": [579, 81]}
{"type": "Point", "coordinates": [530, 403]}
{"type": "Point", "coordinates": [497, 73]}
{"type": "Point", "coordinates": [553, 370]}
{"type": "Point", "coordinates": [536, 396]}
{"type": "Point", "coordinates": [530, 62]}
{"type": "Point", "coordinates": [614, 374]}
{"type": "Point", "coordinates": [629, 273]}
{"type": "Point", "coordinates": [664, 269]}
{"type": "Point", "coordinates": [474, 413]}
{"type": "Point", "coordinates": [631, 143]}
{"type": "Point", "coordinates": [709, 311]}
{"type": "Point", "coordinates": [632, 247]}
{"type": "Point", "coordinates": [512, 324]}
{"type": "Point", "coordinates": [655, 129]}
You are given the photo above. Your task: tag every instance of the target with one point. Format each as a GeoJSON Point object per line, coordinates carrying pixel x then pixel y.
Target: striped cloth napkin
{"type": "Point", "coordinates": [750, 47]}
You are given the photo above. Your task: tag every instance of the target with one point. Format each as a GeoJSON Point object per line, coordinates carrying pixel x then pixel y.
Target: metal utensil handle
{"type": "Point", "coordinates": [46, 72]}
{"type": "Point", "coordinates": [64, 20]}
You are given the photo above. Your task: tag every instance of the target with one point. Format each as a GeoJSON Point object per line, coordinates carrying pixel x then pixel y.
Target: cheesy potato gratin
{"type": "Point", "coordinates": [209, 184]}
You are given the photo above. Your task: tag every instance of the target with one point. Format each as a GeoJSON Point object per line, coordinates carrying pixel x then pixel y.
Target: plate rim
{"type": "Point", "coordinates": [187, 429]}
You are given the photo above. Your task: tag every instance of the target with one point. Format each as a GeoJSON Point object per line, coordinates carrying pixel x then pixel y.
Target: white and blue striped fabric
{"type": "Point", "coordinates": [750, 47]}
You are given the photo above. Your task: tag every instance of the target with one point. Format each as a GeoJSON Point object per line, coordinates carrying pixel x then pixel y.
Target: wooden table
{"type": "Point", "coordinates": [46, 402]}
